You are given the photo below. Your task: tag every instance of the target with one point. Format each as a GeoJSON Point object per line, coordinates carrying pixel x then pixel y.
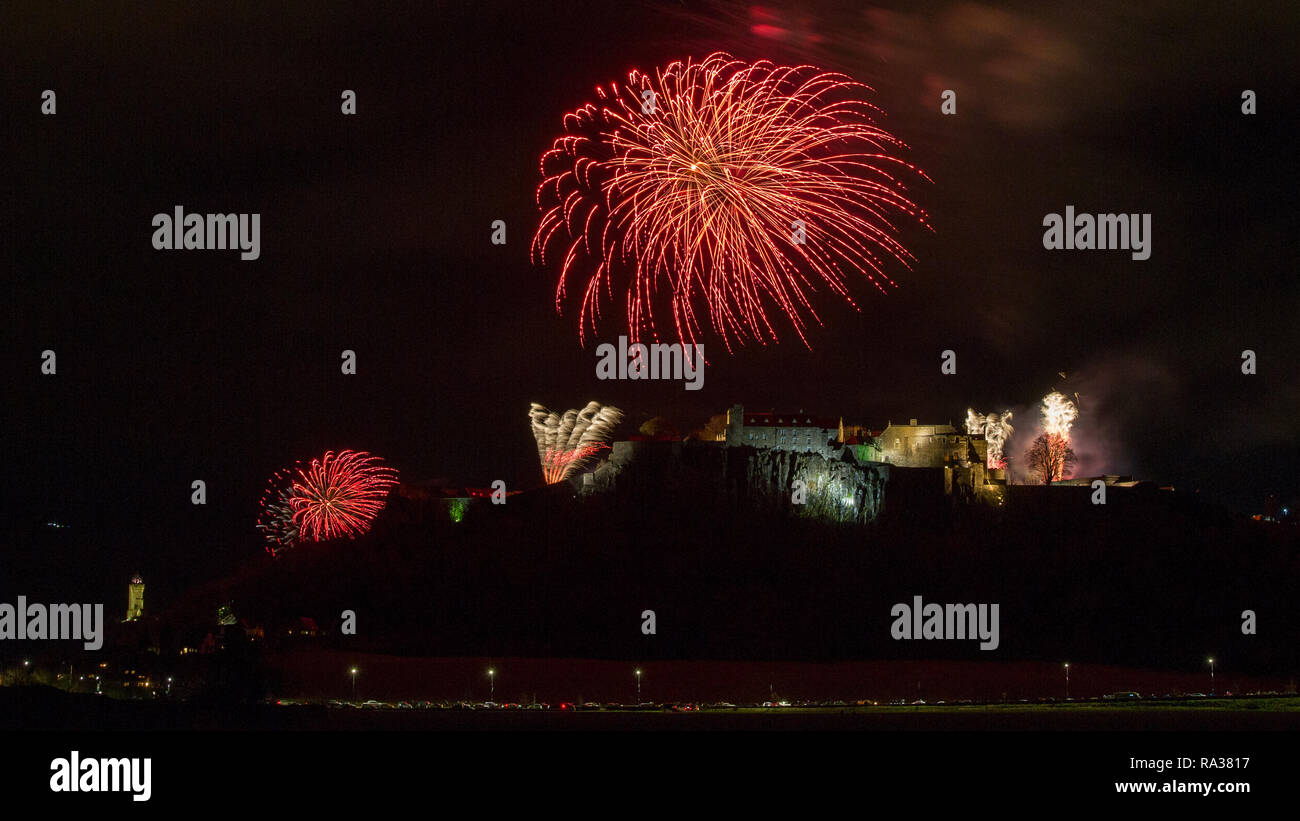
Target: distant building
{"type": "Point", "coordinates": [226, 614]}
{"type": "Point", "coordinates": [924, 446]}
{"type": "Point", "coordinates": [793, 431]}
{"type": "Point", "coordinates": [962, 456]}
{"type": "Point", "coordinates": [135, 598]}
{"type": "Point", "coordinates": [304, 628]}
{"type": "Point", "coordinates": [863, 441]}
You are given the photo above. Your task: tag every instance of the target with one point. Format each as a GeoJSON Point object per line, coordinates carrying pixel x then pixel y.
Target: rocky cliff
{"type": "Point", "coordinates": [802, 484]}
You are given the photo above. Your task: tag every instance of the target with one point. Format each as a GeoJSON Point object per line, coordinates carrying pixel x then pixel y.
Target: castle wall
{"type": "Point", "coordinates": [923, 445]}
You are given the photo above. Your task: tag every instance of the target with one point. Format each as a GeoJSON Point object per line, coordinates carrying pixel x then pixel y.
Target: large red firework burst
{"type": "Point", "coordinates": [734, 186]}
{"type": "Point", "coordinates": [340, 494]}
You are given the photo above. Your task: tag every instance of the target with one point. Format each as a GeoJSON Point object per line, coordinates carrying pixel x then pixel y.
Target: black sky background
{"type": "Point", "coordinates": [175, 366]}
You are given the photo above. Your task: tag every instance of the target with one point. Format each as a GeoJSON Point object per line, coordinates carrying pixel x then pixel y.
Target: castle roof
{"type": "Point", "coordinates": [936, 429]}
{"type": "Point", "coordinates": [790, 419]}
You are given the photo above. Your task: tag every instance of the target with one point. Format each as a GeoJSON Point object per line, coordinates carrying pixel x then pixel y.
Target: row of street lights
{"type": "Point", "coordinates": [1209, 660]}
{"type": "Point", "coordinates": [492, 683]}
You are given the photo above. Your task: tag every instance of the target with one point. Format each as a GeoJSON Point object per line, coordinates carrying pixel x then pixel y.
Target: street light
{"type": "Point", "coordinates": [1211, 660]}
{"type": "Point", "coordinates": [638, 685]}
{"type": "Point", "coordinates": [1067, 681]}
{"type": "Point", "coordinates": [492, 685]}
{"type": "Point", "coordinates": [354, 672]}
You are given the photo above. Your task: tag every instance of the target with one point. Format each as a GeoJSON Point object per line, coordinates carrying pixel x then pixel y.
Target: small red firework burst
{"type": "Point", "coordinates": [739, 187]}
{"type": "Point", "coordinates": [340, 494]}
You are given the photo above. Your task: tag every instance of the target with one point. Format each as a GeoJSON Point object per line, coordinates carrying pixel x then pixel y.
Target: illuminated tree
{"type": "Point", "coordinates": [713, 430]}
{"type": "Point", "coordinates": [1050, 458]}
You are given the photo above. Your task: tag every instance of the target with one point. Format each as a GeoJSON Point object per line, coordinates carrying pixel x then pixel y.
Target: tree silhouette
{"type": "Point", "coordinates": [713, 430]}
{"type": "Point", "coordinates": [659, 428]}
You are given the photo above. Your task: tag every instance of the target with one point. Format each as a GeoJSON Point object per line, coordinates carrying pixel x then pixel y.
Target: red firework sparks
{"type": "Point", "coordinates": [1057, 447]}
{"type": "Point", "coordinates": [556, 463]}
{"type": "Point", "coordinates": [567, 442]}
{"type": "Point", "coordinates": [734, 185]}
{"type": "Point", "coordinates": [340, 494]}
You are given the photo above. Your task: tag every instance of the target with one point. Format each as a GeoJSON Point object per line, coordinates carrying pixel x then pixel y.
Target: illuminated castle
{"type": "Point", "coordinates": [961, 457]}
{"type": "Point", "coordinates": [135, 599]}
{"type": "Point", "coordinates": [781, 431]}
{"type": "Point", "coordinates": [909, 445]}
{"type": "Point", "coordinates": [914, 445]}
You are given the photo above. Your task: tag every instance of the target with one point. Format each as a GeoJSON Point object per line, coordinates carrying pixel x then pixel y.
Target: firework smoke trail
{"type": "Point", "coordinates": [276, 518]}
{"type": "Point", "coordinates": [997, 429]}
{"type": "Point", "coordinates": [1058, 414]}
{"type": "Point", "coordinates": [689, 181]}
{"type": "Point", "coordinates": [566, 444]}
{"type": "Point", "coordinates": [340, 494]}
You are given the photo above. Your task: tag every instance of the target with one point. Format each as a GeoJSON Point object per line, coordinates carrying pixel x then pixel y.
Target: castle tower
{"type": "Point", "coordinates": [735, 425]}
{"type": "Point", "coordinates": [135, 599]}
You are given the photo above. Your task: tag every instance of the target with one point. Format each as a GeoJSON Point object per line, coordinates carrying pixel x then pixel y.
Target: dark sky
{"type": "Point", "coordinates": [175, 366]}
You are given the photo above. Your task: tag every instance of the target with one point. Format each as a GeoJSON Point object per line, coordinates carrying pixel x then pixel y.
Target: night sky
{"type": "Point", "coordinates": [175, 366]}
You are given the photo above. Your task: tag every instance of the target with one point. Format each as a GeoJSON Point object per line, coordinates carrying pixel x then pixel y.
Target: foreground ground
{"type": "Point", "coordinates": [45, 709]}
